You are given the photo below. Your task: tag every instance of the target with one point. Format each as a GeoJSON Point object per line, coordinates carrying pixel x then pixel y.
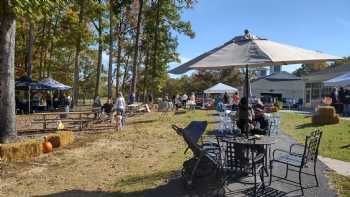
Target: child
{"type": "Point", "coordinates": [118, 121]}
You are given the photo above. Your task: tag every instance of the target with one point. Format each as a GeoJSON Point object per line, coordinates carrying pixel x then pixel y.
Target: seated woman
{"type": "Point", "coordinates": [244, 116]}
{"type": "Point", "coordinates": [261, 124]}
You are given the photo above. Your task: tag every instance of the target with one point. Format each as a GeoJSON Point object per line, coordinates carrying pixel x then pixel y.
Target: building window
{"type": "Point", "coordinates": [316, 91]}
{"type": "Point", "coordinates": [326, 91]}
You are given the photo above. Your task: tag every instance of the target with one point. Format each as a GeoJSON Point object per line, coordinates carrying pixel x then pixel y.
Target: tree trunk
{"type": "Point", "coordinates": [119, 52]}
{"type": "Point", "coordinates": [42, 49]}
{"type": "Point", "coordinates": [126, 72]}
{"type": "Point", "coordinates": [7, 73]}
{"type": "Point", "coordinates": [136, 50]}
{"type": "Point", "coordinates": [77, 57]}
{"type": "Point", "coordinates": [99, 58]}
{"type": "Point", "coordinates": [110, 60]}
{"type": "Point", "coordinates": [52, 47]}
{"type": "Point", "coordinates": [155, 48]}
{"type": "Point", "coordinates": [30, 49]}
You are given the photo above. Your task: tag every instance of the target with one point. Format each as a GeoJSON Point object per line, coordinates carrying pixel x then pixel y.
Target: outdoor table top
{"type": "Point", "coordinates": [264, 140]}
{"type": "Point", "coordinates": [134, 105]}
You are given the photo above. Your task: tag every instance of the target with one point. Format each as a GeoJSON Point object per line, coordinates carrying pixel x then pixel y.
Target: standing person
{"type": "Point", "coordinates": [184, 100]}
{"type": "Point", "coordinates": [341, 98]}
{"type": "Point", "coordinates": [334, 96]}
{"type": "Point", "coordinates": [235, 101]}
{"type": "Point", "coordinates": [120, 107]}
{"type": "Point", "coordinates": [177, 102]}
{"type": "Point", "coordinates": [132, 98]}
{"type": "Point", "coordinates": [347, 103]}
{"type": "Point", "coordinates": [193, 101]}
{"type": "Point", "coordinates": [225, 99]}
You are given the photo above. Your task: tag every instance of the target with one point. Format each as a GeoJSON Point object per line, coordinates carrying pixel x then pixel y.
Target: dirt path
{"type": "Point", "coordinates": [95, 162]}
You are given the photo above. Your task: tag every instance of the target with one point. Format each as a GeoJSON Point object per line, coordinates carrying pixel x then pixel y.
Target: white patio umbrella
{"type": "Point", "coordinates": [252, 51]}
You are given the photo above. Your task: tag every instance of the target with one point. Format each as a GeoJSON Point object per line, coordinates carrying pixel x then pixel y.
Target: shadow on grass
{"type": "Point", "coordinates": [180, 112]}
{"type": "Point", "coordinates": [309, 125]}
{"type": "Point", "coordinates": [172, 188]}
{"type": "Point", "coordinates": [143, 121]}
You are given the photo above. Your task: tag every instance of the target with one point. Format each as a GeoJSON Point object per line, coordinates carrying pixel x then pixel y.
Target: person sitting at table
{"type": "Point", "coordinates": [108, 107]}
{"type": "Point", "coordinates": [261, 124]}
{"type": "Point", "coordinates": [96, 106]}
{"type": "Point", "coordinates": [244, 115]}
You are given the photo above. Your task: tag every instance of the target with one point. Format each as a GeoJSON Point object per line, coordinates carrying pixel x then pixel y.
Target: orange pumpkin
{"type": "Point", "coordinates": [47, 146]}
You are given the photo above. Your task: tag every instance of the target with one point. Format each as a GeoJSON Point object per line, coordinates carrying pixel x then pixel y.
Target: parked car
{"type": "Point", "coordinates": [208, 102]}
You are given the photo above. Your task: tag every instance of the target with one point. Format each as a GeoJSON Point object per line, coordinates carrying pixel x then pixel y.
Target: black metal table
{"type": "Point", "coordinates": [234, 142]}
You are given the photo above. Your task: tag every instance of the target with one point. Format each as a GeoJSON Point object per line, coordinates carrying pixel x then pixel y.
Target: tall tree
{"type": "Point", "coordinates": [136, 50]}
{"type": "Point", "coordinates": [30, 48]}
{"type": "Point", "coordinates": [7, 69]}
{"type": "Point", "coordinates": [100, 49]}
{"type": "Point", "coordinates": [77, 54]}
{"type": "Point", "coordinates": [110, 60]}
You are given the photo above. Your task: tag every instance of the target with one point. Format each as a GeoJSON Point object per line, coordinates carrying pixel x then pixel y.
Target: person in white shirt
{"type": "Point", "coordinates": [184, 99]}
{"type": "Point", "coordinates": [120, 106]}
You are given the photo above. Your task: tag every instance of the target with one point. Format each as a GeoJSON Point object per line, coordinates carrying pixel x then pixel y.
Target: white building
{"type": "Point", "coordinates": [281, 85]}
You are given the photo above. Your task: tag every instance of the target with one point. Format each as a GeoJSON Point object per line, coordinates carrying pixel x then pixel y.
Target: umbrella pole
{"type": "Point", "coordinates": [29, 100]}
{"type": "Point", "coordinates": [247, 96]}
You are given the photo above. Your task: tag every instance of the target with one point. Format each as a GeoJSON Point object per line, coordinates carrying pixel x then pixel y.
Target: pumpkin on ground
{"type": "Point", "coordinates": [47, 146]}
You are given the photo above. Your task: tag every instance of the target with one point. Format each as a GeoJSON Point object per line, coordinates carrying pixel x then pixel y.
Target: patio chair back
{"type": "Point", "coordinates": [312, 143]}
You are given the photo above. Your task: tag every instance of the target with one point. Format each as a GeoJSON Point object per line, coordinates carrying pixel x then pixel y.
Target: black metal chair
{"type": "Point", "coordinates": [299, 160]}
{"type": "Point", "coordinates": [249, 159]}
{"type": "Point", "coordinates": [206, 157]}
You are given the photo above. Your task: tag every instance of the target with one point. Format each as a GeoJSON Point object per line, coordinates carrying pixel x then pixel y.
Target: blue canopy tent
{"type": "Point", "coordinates": [342, 80]}
{"type": "Point", "coordinates": [52, 84]}
{"type": "Point", "coordinates": [27, 84]}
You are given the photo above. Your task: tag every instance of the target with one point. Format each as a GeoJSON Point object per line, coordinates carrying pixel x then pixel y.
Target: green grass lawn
{"type": "Point", "coordinates": [163, 158]}
{"type": "Point", "coordinates": [342, 184]}
{"type": "Point", "coordinates": [334, 136]}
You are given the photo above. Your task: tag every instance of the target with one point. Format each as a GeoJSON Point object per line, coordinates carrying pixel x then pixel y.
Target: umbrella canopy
{"type": "Point", "coordinates": [220, 88]}
{"type": "Point", "coordinates": [342, 80]}
{"type": "Point", "coordinates": [52, 84]}
{"type": "Point", "coordinates": [250, 50]}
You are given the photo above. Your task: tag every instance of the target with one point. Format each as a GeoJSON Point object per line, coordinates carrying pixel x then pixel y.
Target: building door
{"type": "Point", "coordinates": [308, 96]}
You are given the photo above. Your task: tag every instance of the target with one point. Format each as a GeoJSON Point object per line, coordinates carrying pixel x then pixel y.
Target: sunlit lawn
{"type": "Point", "coordinates": [163, 154]}
{"type": "Point", "coordinates": [334, 136]}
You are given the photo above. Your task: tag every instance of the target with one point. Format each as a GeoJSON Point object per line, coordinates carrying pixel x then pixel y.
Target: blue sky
{"type": "Point", "coordinates": [322, 25]}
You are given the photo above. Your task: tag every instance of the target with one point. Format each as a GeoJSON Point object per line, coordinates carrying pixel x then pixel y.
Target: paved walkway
{"type": "Point", "coordinates": [341, 167]}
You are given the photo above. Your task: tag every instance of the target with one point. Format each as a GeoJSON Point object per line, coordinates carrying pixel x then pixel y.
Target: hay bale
{"type": "Point", "coordinates": [20, 151]}
{"type": "Point", "coordinates": [326, 111]}
{"type": "Point", "coordinates": [61, 138]}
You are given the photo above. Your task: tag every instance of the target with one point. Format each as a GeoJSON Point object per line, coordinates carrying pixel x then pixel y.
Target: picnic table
{"type": "Point", "coordinates": [46, 118]}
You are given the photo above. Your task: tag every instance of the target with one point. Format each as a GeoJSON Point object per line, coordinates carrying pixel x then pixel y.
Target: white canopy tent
{"type": "Point", "coordinates": [342, 80]}
{"type": "Point", "coordinates": [220, 88]}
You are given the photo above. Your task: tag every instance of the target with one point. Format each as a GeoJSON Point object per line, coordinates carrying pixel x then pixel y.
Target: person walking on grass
{"type": "Point", "coordinates": [120, 107]}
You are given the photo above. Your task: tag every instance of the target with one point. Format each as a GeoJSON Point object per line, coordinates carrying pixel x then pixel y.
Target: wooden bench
{"type": "Point", "coordinates": [83, 121]}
